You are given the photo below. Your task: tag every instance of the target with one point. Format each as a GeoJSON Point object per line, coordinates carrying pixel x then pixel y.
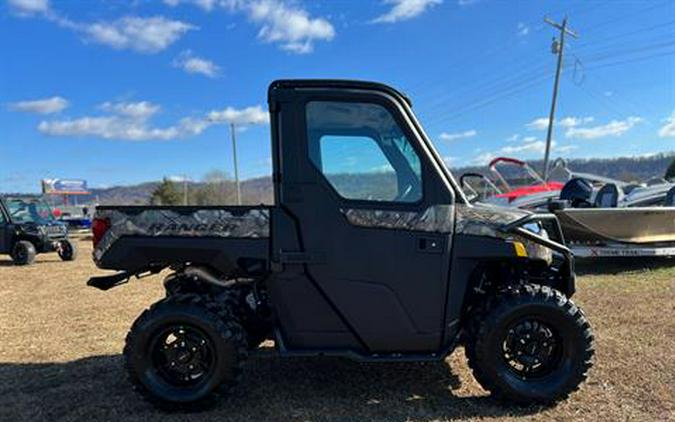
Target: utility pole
{"type": "Point", "coordinates": [557, 48]}
{"type": "Point", "coordinates": [185, 190]}
{"type": "Point", "coordinates": [236, 164]}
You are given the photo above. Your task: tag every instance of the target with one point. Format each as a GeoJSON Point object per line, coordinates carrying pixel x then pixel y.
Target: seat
{"type": "Point", "coordinates": [577, 192]}
{"type": "Point", "coordinates": [607, 197]}
{"type": "Point", "coordinates": [670, 198]}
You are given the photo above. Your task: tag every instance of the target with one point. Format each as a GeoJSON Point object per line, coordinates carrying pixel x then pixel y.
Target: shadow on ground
{"type": "Point", "coordinates": [272, 389]}
{"type": "Point", "coordinates": [616, 266]}
{"type": "Point", "coordinates": [10, 263]}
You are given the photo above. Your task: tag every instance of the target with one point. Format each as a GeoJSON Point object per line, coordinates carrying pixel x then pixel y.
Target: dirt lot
{"type": "Point", "coordinates": [61, 342]}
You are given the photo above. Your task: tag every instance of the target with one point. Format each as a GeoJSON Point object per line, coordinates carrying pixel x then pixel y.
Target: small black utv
{"type": "Point", "coordinates": [28, 227]}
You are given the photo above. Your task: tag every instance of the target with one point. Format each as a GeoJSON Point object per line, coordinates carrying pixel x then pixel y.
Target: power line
{"type": "Point", "coordinates": [635, 60]}
{"type": "Point", "coordinates": [508, 92]}
{"type": "Point", "coordinates": [602, 54]}
{"type": "Point", "coordinates": [629, 15]}
{"type": "Point", "coordinates": [489, 86]}
{"type": "Point", "coordinates": [495, 83]}
{"type": "Point", "coordinates": [582, 45]}
{"type": "Point", "coordinates": [467, 60]}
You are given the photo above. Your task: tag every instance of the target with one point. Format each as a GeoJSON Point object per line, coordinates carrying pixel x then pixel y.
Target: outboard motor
{"type": "Point", "coordinates": [607, 196]}
{"type": "Point", "coordinates": [670, 198]}
{"type": "Point", "coordinates": [627, 189]}
{"type": "Point", "coordinates": [577, 192]}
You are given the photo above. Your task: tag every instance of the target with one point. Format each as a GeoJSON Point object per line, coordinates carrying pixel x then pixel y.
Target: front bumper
{"type": "Point", "coordinates": [555, 241]}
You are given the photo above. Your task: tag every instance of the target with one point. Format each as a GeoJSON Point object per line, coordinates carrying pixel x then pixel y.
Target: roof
{"type": "Point", "coordinates": [337, 83]}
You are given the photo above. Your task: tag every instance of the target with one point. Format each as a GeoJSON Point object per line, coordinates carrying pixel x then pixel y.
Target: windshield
{"type": "Point", "coordinates": [512, 176]}
{"type": "Point", "coordinates": [29, 210]}
{"type": "Point", "coordinates": [478, 187]}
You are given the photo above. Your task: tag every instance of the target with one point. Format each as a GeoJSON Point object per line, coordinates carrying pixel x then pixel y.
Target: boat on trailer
{"type": "Point", "coordinates": [599, 216]}
{"type": "Point", "coordinates": [602, 222]}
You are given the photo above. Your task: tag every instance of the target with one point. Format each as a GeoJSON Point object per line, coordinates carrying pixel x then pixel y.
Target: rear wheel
{"type": "Point", "coordinates": [67, 250]}
{"type": "Point", "coordinates": [184, 353]}
{"type": "Point", "coordinates": [23, 253]}
{"type": "Point", "coordinates": [257, 327]}
{"type": "Point", "coordinates": [530, 345]}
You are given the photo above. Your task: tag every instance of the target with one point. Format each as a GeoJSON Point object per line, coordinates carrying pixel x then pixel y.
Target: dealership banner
{"type": "Point", "coordinates": [64, 186]}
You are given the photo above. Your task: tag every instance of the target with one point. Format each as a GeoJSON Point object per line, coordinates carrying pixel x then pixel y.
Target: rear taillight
{"type": "Point", "coordinates": [98, 228]}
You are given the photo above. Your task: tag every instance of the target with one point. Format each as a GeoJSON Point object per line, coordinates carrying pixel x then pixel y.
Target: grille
{"type": "Point", "coordinates": [55, 231]}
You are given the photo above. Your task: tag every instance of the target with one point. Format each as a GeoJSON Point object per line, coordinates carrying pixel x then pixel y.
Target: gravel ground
{"type": "Point", "coordinates": [61, 343]}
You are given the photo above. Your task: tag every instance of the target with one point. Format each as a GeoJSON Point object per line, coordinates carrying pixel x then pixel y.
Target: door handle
{"type": "Point", "coordinates": [430, 244]}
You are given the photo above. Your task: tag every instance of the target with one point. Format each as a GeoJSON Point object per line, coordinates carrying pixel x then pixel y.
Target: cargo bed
{"type": "Point", "coordinates": [137, 238]}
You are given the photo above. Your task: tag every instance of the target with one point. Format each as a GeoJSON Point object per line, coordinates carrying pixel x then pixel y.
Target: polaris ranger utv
{"type": "Point", "coordinates": [28, 227]}
{"type": "Point", "coordinates": [371, 252]}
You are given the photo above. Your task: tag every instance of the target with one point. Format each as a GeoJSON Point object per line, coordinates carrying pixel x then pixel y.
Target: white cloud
{"type": "Point", "coordinates": [522, 29]}
{"type": "Point", "coordinates": [466, 2]}
{"type": "Point", "coordinates": [131, 122]}
{"type": "Point", "coordinates": [566, 122]}
{"type": "Point", "coordinates": [193, 64]}
{"type": "Point", "coordinates": [460, 135]}
{"type": "Point", "coordinates": [566, 148]}
{"type": "Point", "coordinates": [538, 124]}
{"type": "Point", "coordinates": [668, 130]}
{"type": "Point", "coordinates": [108, 127]}
{"type": "Point", "coordinates": [179, 179]}
{"type": "Point", "coordinates": [246, 116]}
{"type": "Point", "coordinates": [613, 128]}
{"type": "Point", "coordinates": [138, 110]}
{"type": "Point", "coordinates": [282, 23]}
{"type": "Point", "coordinates": [448, 160]}
{"type": "Point", "coordinates": [530, 147]}
{"type": "Point", "coordinates": [289, 26]}
{"type": "Point", "coordinates": [405, 9]}
{"type": "Point", "coordinates": [483, 158]}
{"type": "Point", "coordinates": [513, 138]}
{"type": "Point", "coordinates": [533, 146]}
{"type": "Point", "coordinates": [42, 106]}
{"type": "Point", "coordinates": [29, 7]}
{"type": "Point", "coordinates": [144, 35]}
{"type": "Point", "coordinates": [207, 5]}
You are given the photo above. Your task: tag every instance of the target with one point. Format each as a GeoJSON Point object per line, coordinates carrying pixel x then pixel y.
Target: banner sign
{"type": "Point", "coordinates": [65, 186]}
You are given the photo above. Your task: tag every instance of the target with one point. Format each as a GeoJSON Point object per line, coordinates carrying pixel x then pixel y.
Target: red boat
{"type": "Point", "coordinates": [517, 179]}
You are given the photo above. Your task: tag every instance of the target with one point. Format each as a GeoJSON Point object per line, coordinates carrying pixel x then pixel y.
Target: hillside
{"type": "Point", "coordinates": [260, 190]}
{"type": "Point", "coordinates": [628, 169]}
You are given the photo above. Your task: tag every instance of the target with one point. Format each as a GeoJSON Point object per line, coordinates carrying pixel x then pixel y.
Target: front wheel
{"type": "Point", "coordinates": [184, 353]}
{"type": "Point", "coordinates": [67, 250]}
{"type": "Point", "coordinates": [23, 253]}
{"type": "Point", "coordinates": [531, 345]}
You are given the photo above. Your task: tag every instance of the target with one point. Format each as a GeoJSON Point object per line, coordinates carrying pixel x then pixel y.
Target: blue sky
{"type": "Point", "coordinates": [122, 92]}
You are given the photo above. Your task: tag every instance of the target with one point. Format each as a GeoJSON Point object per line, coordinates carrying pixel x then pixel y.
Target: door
{"type": "Point", "coordinates": [374, 217]}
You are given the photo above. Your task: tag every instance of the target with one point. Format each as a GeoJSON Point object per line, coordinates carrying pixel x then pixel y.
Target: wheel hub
{"type": "Point", "coordinates": [183, 355]}
{"type": "Point", "coordinates": [531, 348]}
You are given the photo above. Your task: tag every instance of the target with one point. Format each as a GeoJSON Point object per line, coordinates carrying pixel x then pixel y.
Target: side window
{"type": "Point", "coordinates": [3, 220]}
{"type": "Point", "coordinates": [362, 152]}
